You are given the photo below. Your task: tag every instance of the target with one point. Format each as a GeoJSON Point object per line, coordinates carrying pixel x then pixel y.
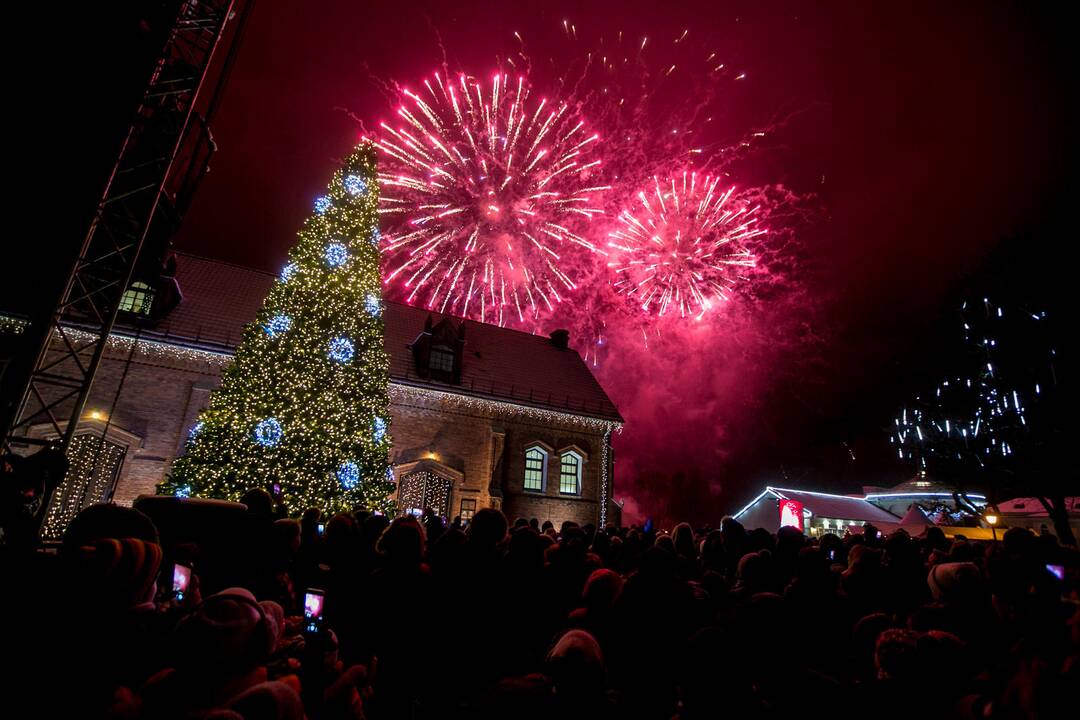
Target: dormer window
{"type": "Point", "coordinates": [137, 299]}
{"type": "Point", "coordinates": [437, 351]}
{"type": "Point", "coordinates": [441, 359]}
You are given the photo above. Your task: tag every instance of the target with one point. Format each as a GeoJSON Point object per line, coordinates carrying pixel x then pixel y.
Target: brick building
{"type": "Point", "coordinates": [482, 416]}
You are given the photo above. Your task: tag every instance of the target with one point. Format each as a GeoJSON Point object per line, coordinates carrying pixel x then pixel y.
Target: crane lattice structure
{"type": "Point", "coordinates": [148, 176]}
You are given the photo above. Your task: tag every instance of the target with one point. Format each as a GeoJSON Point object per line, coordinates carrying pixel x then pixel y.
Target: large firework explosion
{"type": "Point", "coordinates": [485, 189]}
{"type": "Point", "coordinates": [683, 245]}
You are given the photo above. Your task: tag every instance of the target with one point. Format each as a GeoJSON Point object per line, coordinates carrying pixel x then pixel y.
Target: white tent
{"type": "Point", "coordinates": [915, 520]}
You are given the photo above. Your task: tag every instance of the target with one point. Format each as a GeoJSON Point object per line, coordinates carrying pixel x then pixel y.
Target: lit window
{"type": "Point", "coordinates": [570, 474]}
{"type": "Point", "coordinates": [442, 358]}
{"type": "Point", "coordinates": [137, 299]}
{"type": "Point", "coordinates": [468, 509]}
{"type": "Point", "coordinates": [535, 469]}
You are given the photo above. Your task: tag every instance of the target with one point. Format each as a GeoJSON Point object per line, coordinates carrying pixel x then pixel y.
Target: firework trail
{"type": "Point", "coordinates": [682, 248]}
{"type": "Point", "coordinates": [485, 192]}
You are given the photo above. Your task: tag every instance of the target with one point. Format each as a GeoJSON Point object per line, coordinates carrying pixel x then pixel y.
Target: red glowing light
{"type": "Point", "coordinates": [791, 514]}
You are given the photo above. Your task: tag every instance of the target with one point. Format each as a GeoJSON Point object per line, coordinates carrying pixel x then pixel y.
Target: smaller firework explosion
{"type": "Point", "coordinates": [682, 249]}
{"type": "Point", "coordinates": [983, 417]}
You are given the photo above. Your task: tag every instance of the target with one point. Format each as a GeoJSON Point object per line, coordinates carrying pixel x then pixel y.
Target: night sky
{"type": "Point", "coordinates": [930, 139]}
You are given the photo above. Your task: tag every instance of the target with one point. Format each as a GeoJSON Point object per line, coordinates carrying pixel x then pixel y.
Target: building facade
{"type": "Point", "coordinates": [481, 416]}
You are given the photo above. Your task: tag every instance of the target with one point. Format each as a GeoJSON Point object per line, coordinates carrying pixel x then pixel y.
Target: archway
{"type": "Point", "coordinates": [424, 489]}
{"type": "Point", "coordinates": [91, 478]}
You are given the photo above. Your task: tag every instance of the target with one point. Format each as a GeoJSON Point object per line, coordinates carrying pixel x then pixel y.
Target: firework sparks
{"type": "Point", "coordinates": [484, 191]}
{"type": "Point", "coordinates": [982, 417]}
{"type": "Point", "coordinates": [682, 247]}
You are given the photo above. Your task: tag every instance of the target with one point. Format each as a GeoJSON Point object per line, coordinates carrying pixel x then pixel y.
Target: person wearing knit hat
{"type": "Point", "coordinates": [601, 591]}
{"type": "Point", "coordinates": [896, 655]}
{"type": "Point", "coordinates": [576, 667]}
{"type": "Point", "coordinates": [956, 583]}
{"type": "Point", "coordinates": [221, 651]}
{"type": "Point", "coordinates": [229, 633]}
{"type": "Point", "coordinates": [122, 573]}
{"type": "Point", "coordinates": [276, 615]}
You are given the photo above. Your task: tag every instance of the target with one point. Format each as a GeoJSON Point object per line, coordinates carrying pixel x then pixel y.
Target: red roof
{"type": "Point", "coordinates": [220, 298]}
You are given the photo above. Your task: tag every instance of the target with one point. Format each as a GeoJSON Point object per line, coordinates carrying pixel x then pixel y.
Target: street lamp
{"type": "Point", "coordinates": [991, 519]}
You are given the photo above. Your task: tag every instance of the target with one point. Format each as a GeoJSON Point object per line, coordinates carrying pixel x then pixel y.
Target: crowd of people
{"type": "Point", "coordinates": [416, 618]}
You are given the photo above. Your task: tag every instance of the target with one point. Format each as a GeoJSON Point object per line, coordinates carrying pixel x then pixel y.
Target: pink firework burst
{"type": "Point", "coordinates": [484, 191]}
{"type": "Point", "coordinates": [683, 247]}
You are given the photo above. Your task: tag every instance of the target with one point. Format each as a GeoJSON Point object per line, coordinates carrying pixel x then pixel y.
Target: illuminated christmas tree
{"type": "Point", "coordinates": [302, 410]}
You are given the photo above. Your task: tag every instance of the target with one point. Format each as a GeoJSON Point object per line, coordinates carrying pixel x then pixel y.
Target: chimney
{"type": "Point", "coordinates": [560, 339]}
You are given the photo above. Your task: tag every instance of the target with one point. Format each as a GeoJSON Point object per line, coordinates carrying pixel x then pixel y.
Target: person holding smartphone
{"type": "Point", "coordinates": [314, 604]}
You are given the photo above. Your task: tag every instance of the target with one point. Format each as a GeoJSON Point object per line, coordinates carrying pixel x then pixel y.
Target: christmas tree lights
{"type": "Point", "coordinates": [302, 410]}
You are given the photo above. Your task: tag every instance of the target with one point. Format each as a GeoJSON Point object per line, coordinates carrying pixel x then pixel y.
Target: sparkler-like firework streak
{"type": "Point", "coordinates": [484, 190]}
{"type": "Point", "coordinates": [981, 418]}
{"type": "Point", "coordinates": [683, 245]}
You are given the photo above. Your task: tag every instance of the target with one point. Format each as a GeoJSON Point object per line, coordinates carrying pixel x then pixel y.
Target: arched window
{"type": "Point", "coordinates": [137, 299]}
{"type": "Point", "coordinates": [570, 473]}
{"type": "Point", "coordinates": [535, 468]}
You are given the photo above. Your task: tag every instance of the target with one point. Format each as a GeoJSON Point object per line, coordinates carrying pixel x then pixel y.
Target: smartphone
{"type": "Point", "coordinates": [322, 528]}
{"type": "Point", "coordinates": [832, 555]}
{"type": "Point", "coordinates": [314, 601]}
{"type": "Point", "coordinates": [1058, 571]}
{"type": "Point", "coordinates": [181, 578]}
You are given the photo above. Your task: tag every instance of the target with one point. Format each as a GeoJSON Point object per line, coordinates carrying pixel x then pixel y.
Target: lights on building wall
{"type": "Point", "coordinates": [407, 394]}
{"type": "Point", "coordinates": [605, 484]}
{"type": "Point", "coordinates": [92, 472]}
{"type": "Point", "coordinates": [13, 325]}
{"type": "Point", "coordinates": [152, 349]}
{"type": "Point", "coordinates": [424, 489]}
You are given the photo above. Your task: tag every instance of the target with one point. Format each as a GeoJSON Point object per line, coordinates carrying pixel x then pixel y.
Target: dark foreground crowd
{"type": "Point", "coordinates": [423, 620]}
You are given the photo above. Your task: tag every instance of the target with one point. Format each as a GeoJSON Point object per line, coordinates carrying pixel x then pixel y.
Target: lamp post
{"type": "Point", "coordinates": [991, 519]}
